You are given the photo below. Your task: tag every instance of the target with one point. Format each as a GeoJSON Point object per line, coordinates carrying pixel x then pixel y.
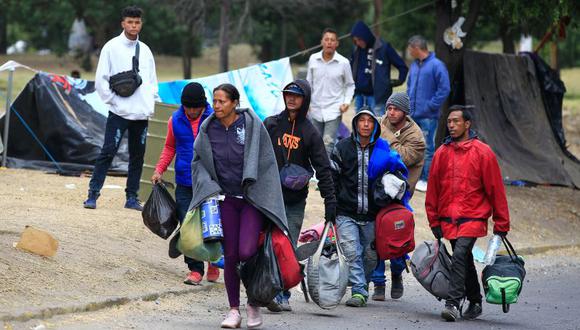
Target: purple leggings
{"type": "Point", "coordinates": [241, 223]}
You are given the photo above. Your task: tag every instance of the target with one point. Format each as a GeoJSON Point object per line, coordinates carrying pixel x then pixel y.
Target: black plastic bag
{"type": "Point", "coordinates": [159, 213]}
{"type": "Point", "coordinates": [261, 275]}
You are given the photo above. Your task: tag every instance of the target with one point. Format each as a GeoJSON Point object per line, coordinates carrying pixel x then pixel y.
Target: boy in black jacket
{"type": "Point", "coordinates": [297, 142]}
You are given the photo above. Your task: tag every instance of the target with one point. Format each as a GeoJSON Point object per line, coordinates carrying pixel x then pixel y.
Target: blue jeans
{"type": "Point", "coordinates": [429, 128]}
{"type": "Point", "coordinates": [114, 131]}
{"type": "Point", "coordinates": [368, 100]}
{"type": "Point", "coordinates": [329, 131]}
{"type": "Point", "coordinates": [355, 238]}
{"type": "Point", "coordinates": [397, 268]}
{"type": "Point", "coordinates": [183, 195]}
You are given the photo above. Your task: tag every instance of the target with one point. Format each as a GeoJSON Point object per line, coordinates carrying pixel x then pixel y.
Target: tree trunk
{"type": "Point", "coordinates": [3, 32]}
{"type": "Point", "coordinates": [186, 53]}
{"type": "Point", "coordinates": [377, 17]}
{"type": "Point", "coordinates": [554, 55]}
{"type": "Point", "coordinates": [224, 35]}
{"type": "Point", "coordinates": [507, 39]}
{"type": "Point", "coordinates": [453, 59]}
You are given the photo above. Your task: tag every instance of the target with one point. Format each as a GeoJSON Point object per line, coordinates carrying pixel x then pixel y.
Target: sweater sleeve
{"type": "Point", "coordinates": [320, 162]}
{"type": "Point", "coordinates": [433, 190]}
{"type": "Point", "coordinates": [102, 76]}
{"type": "Point", "coordinates": [443, 88]}
{"type": "Point", "coordinates": [398, 62]}
{"type": "Point", "coordinates": [168, 150]}
{"type": "Point", "coordinates": [495, 191]}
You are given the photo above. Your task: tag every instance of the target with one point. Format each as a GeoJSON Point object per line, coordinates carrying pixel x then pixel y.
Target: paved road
{"type": "Point", "coordinates": [550, 300]}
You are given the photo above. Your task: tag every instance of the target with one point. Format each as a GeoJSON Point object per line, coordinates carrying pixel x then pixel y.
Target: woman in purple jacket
{"type": "Point", "coordinates": [233, 156]}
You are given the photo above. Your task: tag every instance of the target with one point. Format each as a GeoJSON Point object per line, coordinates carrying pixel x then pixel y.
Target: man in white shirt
{"type": "Point", "coordinates": [330, 77]}
{"type": "Point", "coordinates": [129, 112]}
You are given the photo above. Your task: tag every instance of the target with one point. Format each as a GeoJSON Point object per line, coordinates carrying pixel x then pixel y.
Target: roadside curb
{"type": "Point", "coordinates": [98, 305]}
{"type": "Point", "coordinates": [544, 249]}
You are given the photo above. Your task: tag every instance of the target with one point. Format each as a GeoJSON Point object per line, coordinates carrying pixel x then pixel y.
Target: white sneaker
{"type": "Point", "coordinates": [421, 186]}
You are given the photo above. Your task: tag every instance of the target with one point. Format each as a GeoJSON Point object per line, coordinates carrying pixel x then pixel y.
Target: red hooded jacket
{"type": "Point", "coordinates": [465, 188]}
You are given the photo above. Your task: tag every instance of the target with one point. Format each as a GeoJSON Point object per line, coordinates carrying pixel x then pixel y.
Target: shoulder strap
{"type": "Point", "coordinates": [136, 58]}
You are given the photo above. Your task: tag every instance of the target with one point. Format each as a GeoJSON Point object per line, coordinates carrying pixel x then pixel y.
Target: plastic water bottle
{"type": "Point", "coordinates": [492, 247]}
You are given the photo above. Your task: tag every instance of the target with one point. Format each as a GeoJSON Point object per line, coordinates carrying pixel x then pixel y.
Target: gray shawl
{"type": "Point", "coordinates": [261, 179]}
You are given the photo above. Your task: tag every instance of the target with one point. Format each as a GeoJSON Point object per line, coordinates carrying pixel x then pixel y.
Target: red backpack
{"type": "Point", "coordinates": [290, 269]}
{"type": "Point", "coordinates": [394, 232]}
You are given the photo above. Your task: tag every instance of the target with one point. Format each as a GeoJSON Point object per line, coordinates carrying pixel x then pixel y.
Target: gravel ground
{"type": "Point", "coordinates": [107, 254]}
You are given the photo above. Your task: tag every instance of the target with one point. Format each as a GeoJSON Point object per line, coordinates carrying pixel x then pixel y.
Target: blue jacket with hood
{"type": "Point", "coordinates": [428, 87]}
{"type": "Point", "coordinates": [184, 143]}
{"type": "Point", "coordinates": [383, 56]}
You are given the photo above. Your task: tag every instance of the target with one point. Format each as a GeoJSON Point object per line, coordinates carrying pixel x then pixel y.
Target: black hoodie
{"type": "Point", "coordinates": [350, 163]}
{"type": "Point", "coordinates": [305, 145]}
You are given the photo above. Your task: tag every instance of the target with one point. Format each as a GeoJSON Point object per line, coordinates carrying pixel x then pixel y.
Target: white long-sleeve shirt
{"type": "Point", "coordinates": [117, 56]}
{"type": "Point", "coordinates": [332, 85]}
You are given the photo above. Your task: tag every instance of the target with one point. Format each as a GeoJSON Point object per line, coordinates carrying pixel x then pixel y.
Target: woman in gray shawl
{"type": "Point", "coordinates": [233, 156]}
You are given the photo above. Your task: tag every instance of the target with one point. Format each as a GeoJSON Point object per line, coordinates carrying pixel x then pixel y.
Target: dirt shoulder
{"type": "Point", "coordinates": [107, 254]}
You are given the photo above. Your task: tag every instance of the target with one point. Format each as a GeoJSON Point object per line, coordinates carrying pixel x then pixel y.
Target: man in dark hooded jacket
{"type": "Point", "coordinates": [298, 143]}
{"type": "Point", "coordinates": [371, 63]}
{"type": "Point", "coordinates": [357, 162]}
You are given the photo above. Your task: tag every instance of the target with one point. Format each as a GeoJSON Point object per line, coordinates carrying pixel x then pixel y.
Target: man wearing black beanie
{"type": "Point", "coordinates": [182, 129]}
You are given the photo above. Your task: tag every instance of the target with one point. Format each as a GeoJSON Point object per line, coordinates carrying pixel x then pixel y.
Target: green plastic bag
{"type": "Point", "coordinates": [191, 243]}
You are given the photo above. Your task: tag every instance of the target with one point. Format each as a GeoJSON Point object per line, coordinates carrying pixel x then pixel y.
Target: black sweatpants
{"type": "Point", "coordinates": [464, 281]}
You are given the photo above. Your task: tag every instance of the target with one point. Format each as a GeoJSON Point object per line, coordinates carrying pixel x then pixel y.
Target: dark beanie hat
{"type": "Point", "coordinates": [399, 100]}
{"type": "Point", "coordinates": [193, 96]}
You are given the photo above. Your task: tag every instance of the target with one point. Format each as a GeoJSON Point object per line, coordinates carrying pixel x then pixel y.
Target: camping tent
{"type": "Point", "coordinates": [58, 123]}
{"type": "Point", "coordinates": [511, 116]}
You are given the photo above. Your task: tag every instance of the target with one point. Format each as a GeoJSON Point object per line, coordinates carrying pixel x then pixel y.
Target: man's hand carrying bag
{"type": "Point", "coordinates": [126, 83]}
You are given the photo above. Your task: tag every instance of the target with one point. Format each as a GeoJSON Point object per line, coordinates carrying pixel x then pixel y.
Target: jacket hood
{"type": "Point", "coordinates": [472, 135]}
{"type": "Point", "coordinates": [305, 86]}
{"type": "Point", "coordinates": [376, 132]}
{"type": "Point", "coordinates": [362, 31]}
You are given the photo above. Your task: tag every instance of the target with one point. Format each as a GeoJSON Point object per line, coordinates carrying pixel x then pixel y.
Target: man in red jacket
{"type": "Point", "coordinates": [465, 188]}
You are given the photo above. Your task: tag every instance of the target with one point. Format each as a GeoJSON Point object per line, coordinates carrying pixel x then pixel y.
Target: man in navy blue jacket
{"type": "Point", "coordinates": [371, 63]}
{"type": "Point", "coordinates": [428, 88]}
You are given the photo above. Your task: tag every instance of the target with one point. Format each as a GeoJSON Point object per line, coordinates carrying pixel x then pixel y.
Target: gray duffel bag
{"type": "Point", "coordinates": [327, 272]}
{"type": "Point", "coordinates": [431, 266]}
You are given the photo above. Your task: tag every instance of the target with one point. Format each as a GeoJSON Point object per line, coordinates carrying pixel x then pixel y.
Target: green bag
{"type": "Point", "coordinates": [503, 280]}
{"type": "Point", "coordinates": [191, 243]}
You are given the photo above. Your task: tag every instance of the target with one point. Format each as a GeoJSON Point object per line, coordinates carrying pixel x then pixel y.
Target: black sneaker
{"type": "Point", "coordinates": [379, 293]}
{"type": "Point", "coordinates": [473, 311]}
{"type": "Point", "coordinates": [173, 251]}
{"type": "Point", "coordinates": [397, 286]}
{"type": "Point", "coordinates": [274, 307]}
{"type": "Point", "coordinates": [450, 313]}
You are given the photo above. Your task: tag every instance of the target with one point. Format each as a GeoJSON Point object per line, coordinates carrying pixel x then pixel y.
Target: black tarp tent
{"type": "Point", "coordinates": [510, 115]}
{"type": "Point", "coordinates": [54, 126]}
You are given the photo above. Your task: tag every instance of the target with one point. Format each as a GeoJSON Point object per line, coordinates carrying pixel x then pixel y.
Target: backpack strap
{"type": "Point", "coordinates": [136, 58]}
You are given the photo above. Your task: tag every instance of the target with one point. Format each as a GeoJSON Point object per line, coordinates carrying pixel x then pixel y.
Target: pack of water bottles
{"type": "Point", "coordinates": [211, 223]}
